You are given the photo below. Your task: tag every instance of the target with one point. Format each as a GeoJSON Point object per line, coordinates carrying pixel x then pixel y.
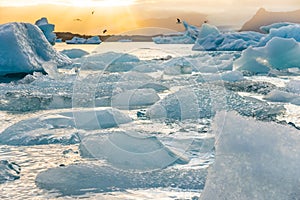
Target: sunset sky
{"type": "Point", "coordinates": [124, 15]}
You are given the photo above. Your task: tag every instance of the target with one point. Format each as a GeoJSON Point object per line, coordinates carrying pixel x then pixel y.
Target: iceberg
{"type": "Point", "coordinates": [279, 53]}
{"type": "Point", "coordinates": [74, 53]}
{"type": "Point", "coordinates": [47, 29]}
{"type": "Point", "coordinates": [60, 128]}
{"type": "Point", "coordinates": [93, 40]}
{"type": "Point", "coordinates": [24, 49]}
{"type": "Point", "coordinates": [87, 178]}
{"type": "Point", "coordinates": [189, 36]}
{"type": "Point", "coordinates": [277, 25]}
{"type": "Point", "coordinates": [78, 40]}
{"type": "Point", "coordinates": [290, 31]}
{"type": "Point", "coordinates": [9, 171]}
{"type": "Point", "coordinates": [236, 41]}
{"type": "Point", "coordinates": [130, 151]}
{"type": "Point", "coordinates": [254, 160]}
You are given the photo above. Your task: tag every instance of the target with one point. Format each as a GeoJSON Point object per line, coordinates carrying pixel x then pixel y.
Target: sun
{"type": "Point", "coordinates": [102, 3]}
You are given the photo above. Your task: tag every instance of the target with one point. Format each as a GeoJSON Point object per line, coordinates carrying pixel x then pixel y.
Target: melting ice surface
{"type": "Point", "coordinates": [140, 124]}
{"type": "Point", "coordinates": [254, 160]}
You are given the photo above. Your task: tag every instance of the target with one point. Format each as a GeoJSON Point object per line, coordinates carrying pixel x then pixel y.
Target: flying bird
{"type": "Point", "coordinates": [178, 21]}
{"type": "Point", "coordinates": [93, 12]}
{"type": "Point", "coordinates": [104, 31]}
{"type": "Point", "coordinates": [79, 20]}
{"type": "Point", "coordinates": [205, 21]}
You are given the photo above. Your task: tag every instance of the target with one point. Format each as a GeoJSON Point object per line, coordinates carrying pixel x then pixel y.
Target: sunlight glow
{"type": "Point", "coordinates": [102, 3]}
{"type": "Point", "coordinates": [77, 3]}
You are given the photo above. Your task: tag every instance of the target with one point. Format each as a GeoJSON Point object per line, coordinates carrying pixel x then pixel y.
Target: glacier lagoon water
{"type": "Point", "coordinates": [191, 136]}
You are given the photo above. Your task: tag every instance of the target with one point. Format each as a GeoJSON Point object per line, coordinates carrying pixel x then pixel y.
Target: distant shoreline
{"type": "Point", "coordinates": [107, 38]}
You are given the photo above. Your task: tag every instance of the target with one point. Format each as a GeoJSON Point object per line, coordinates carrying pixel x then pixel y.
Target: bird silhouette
{"type": "Point", "coordinates": [104, 31]}
{"type": "Point", "coordinates": [178, 21]}
{"type": "Point", "coordinates": [79, 20]}
{"type": "Point", "coordinates": [205, 21]}
{"type": "Point", "coordinates": [93, 12]}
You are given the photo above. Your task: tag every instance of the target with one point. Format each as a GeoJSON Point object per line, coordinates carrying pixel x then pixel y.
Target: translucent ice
{"type": "Point", "coordinates": [74, 53]}
{"type": "Point", "coordinates": [279, 53]}
{"type": "Point", "coordinates": [134, 98]}
{"type": "Point", "coordinates": [83, 178]}
{"type": "Point", "coordinates": [203, 100]}
{"type": "Point", "coordinates": [24, 48]}
{"type": "Point", "coordinates": [130, 151]}
{"type": "Point", "coordinates": [47, 29]}
{"type": "Point", "coordinates": [277, 25]}
{"type": "Point", "coordinates": [60, 128]}
{"type": "Point", "coordinates": [236, 41]}
{"type": "Point", "coordinates": [254, 160]}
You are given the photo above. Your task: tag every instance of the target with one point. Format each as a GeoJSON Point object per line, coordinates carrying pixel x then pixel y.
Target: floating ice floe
{"type": "Point", "coordinates": [278, 25]}
{"type": "Point", "coordinates": [132, 99]}
{"type": "Point", "coordinates": [282, 96]}
{"type": "Point", "coordinates": [24, 49]}
{"type": "Point", "coordinates": [93, 40]}
{"type": "Point", "coordinates": [130, 151]}
{"type": "Point", "coordinates": [9, 171]}
{"type": "Point", "coordinates": [290, 31]}
{"type": "Point", "coordinates": [293, 86]}
{"type": "Point", "coordinates": [235, 41]}
{"type": "Point", "coordinates": [74, 53]}
{"type": "Point", "coordinates": [60, 128]}
{"type": "Point", "coordinates": [204, 100]}
{"type": "Point", "coordinates": [110, 61]}
{"type": "Point", "coordinates": [86, 178]}
{"type": "Point", "coordinates": [279, 53]}
{"type": "Point", "coordinates": [78, 40]}
{"type": "Point", "coordinates": [254, 160]}
{"type": "Point", "coordinates": [47, 29]}
{"type": "Point", "coordinates": [189, 36]}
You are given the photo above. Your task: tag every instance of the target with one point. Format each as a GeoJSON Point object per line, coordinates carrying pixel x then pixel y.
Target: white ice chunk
{"type": "Point", "coordinates": [47, 29]}
{"type": "Point", "coordinates": [24, 49]}
{"type": "Point", "coordinates": [254, 160]}
{"type": "Point", "coordinates": [86, 178]}
{"type": "Point", "coordinates": [130, 151]}
{"type": "Point", "coordinates": [277, 25]}
{"type": "Point", "coordinates": [134, 98]}
{"type": "Point", "coordinates": [60, 128]}
{"type": "Point", "coordinates": [282, 96]}
{"type": "Point", "coordinates": [74, 53]}
{"type": "Point", "coordinates": [203, 100]}
{"type": "Point", "coordinates": [236, 41]}
{"type": "Point", "coordinates": [279, 53]}
{"type": "Point", "coordinates": [291, 31]}
{"type": "Point", "coordinates": [93, 40]}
